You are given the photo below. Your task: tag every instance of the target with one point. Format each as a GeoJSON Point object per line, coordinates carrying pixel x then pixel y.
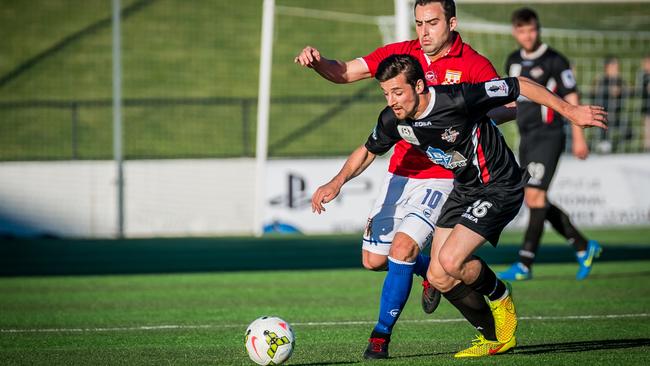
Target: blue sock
{"type": "Point", "coordinates": [421, 265]}
{"type": "Point", "coordinates": [396, 290]}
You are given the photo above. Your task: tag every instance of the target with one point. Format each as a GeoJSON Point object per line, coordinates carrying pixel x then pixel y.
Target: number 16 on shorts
{"type": "Point", "coordinates": [477, 210]}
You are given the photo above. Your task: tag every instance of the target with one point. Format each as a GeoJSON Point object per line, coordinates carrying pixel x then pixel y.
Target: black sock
{"type": "Point", "coordinates": [487, 283]}
{"type": "Point", "coordinates": [533, 235]}
{"type": "Point", "coordinates": [474, 308]}
{"type": "Point", "coordinates": [562, 224]}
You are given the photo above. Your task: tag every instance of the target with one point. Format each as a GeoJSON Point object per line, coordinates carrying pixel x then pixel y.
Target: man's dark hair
{"type": "Point", "coordinates": [449, 6]}
{"type": "Point", "coordinates": [394, 65]}
{"type": "Point", "coordinates": [524, 16]}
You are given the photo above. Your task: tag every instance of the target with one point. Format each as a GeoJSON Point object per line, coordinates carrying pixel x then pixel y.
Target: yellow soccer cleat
{"type": "Point", "coordinates": [482, 347]}
{"type": "Point", "coordinates": [505, 316]}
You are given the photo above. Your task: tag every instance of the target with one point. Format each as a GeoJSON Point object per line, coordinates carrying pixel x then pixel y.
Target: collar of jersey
{"type": "Point", "coordinates": [432, 101]}
{"type": "Point", "coordinates": [534, 55]}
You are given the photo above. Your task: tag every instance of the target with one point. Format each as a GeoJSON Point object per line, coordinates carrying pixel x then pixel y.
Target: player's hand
{"type": "Point", "coordinates": [586, 116]}
{"type": "Point", "coordinates": [580, 148]}
{"type": "Point", "coordinates": [324, 194]}
{"type": "Point", "coordinates": [308, 57]}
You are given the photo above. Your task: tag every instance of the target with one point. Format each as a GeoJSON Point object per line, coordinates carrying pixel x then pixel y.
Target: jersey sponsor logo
{"type": "Point", "coordinates": [536, 72]}
{"type": "Point", "coordinates": [422, 123]}
{"type": "Point", "coordinates": [450, 135]}
{"type": "Point", "coordinates": [449, 161]}
{"type": "Point", "coordinates": [407, 134]}
{"type": "Point", "coordinates": [497, 88]}
{"type": "Point", "coordinates": [431, 77]}
{"type": "Point", "coordinates": [568, 79]}
{"type": "Point", "coordinates": [452, 77]}
{"type": "Point", "coordinates": [515, 70]}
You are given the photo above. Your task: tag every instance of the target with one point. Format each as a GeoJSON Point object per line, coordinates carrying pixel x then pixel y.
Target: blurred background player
{"type": "Point", "coordinates": [609, 91]}
{"type": "Point", "coordinates": [542, 142]}
{"type": "Point", "coordinates": [446, 59]}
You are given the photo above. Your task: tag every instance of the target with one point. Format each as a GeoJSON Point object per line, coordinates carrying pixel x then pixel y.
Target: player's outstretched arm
{"type": "Point", "coordinates": [578, 141]}
{"type": "Point", "coordinates": [581, 115]}
{"type": "Point", "coordinates": [357, 162]}
{"type": "Point", "coordinates": [336, 71]}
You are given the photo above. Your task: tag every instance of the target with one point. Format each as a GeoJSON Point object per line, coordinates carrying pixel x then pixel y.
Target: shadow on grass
{"type": "Point", "coordinates": [582, 346]}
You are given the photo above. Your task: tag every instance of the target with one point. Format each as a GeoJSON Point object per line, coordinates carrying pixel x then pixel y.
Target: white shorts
{"type": "Point", "coordinates": [407, 205]}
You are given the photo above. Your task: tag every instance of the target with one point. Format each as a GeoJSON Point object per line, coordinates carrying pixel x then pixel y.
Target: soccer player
{"type": "Point", "coordinates": [448, 124]}
{"type": "Point", "coordinates": [542, 142]}
{"type": "Point", "coordinates": [397, 229]}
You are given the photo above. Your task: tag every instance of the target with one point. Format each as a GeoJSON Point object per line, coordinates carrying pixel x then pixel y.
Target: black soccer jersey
{"type": "Point", "coordinates": [454, 132]}
{"type": "Point", "coordinates": [549, 68]}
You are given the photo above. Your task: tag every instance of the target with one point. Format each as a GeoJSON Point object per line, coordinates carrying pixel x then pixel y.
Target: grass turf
{"type": "Point", "coordinates": [103, 319]}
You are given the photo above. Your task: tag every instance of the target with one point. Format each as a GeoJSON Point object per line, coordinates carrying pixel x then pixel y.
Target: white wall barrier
{"type": "Point", "coordinates": [215, 197]}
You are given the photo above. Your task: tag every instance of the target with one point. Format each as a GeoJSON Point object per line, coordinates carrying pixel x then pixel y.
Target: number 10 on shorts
{"type": "Point", "coordinates": [432, 198]}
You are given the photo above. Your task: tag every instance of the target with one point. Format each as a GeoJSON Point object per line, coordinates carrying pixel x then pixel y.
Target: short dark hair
{"type": "Point", "coordinates": [449, 6]}
{"type": "Point", "coordinates": [524, 16]}
{"type": "Point", "coordinates": [394, 65]}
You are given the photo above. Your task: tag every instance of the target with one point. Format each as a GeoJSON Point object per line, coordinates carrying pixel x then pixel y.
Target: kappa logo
{"type": "Point", "coordinates": [497, 88]}
{"type": "Point", "coordinates": [452, 77]}
{"type": "Point", "coordinates": [450, 135]}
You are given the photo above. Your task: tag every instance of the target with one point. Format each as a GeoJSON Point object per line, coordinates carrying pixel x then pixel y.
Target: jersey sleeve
{"type": "Point", "coordinates": [562, 73]}
{"type": "Point", "coordinates": [482, 97]}
{"type": "Point", "coordinates": [384, 135]}
{"type": "Point", "coordinates": [373, 59]}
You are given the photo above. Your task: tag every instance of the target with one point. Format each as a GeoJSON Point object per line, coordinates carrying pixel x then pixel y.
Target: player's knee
{"type": "Point", "coordinates": [404, 250]}
{"type": "Point", "coordinates": [440, 280]}
{"type": "Point", "coordinates": [450, 264]}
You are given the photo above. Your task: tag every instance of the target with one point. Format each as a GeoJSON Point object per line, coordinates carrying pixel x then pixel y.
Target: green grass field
{"type": "Point", "coordinates": [166, 313]}
{"type": "Point", "coordinates": [208, 49]}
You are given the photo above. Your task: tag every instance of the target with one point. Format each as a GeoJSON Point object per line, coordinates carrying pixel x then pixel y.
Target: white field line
{"type": "Point", "coordinates": [307, 324]}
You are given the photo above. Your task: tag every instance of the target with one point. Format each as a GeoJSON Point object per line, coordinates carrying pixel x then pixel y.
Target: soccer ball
{"type": "Point", "coordinates": [269, 341]}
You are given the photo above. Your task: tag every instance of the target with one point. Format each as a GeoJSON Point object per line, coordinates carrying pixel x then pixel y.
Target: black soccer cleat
{"type": "Point", "coordinates": [430, 297]}
{"type": "Point", "coordinates": [377, 346]}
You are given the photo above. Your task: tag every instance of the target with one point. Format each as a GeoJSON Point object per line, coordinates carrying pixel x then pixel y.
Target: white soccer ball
{"type": "Point", "coordinates": [269, 341]}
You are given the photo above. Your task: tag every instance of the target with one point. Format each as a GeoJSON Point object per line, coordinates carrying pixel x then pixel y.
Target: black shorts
{"type": "Point", "coordinates": [486, 211]}
{"type": "Point", "coordinates": [539, 153]}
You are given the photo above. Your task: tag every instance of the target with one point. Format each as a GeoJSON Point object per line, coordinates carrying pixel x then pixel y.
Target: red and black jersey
{"type": "Point", "coordinates": [454, 133]}
{"type": "Point", "coordinates": [461, 64]}
{"type": "Point", "coordinates": [549, 68]}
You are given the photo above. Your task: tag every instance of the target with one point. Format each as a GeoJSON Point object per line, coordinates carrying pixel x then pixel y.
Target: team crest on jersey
{"type": "Point", "coordinates": [448, 160]}
{"type": "Point", "coordinates": [450, 135]}
{"type": "Point", "coordinates": [452, 77]}
{"type": "Point", "coordinates": [431, 77]}
{"type": "Point", "coordinates": [407, 134]}
{"type": "Point", "coordinates": [536, 72]}
{"type": "Point", "coordinates": [497, 88]}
